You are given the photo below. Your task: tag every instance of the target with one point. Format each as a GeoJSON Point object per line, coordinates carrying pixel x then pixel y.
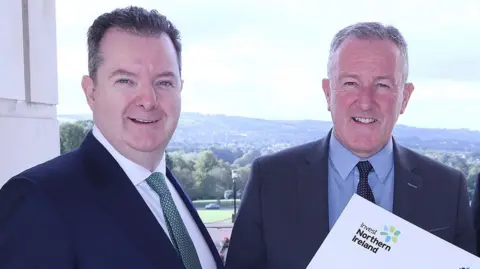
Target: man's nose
{"type": "Point", "coordinates": [147, 97]}
{"type": "Point", "coordinates": [365, 98]}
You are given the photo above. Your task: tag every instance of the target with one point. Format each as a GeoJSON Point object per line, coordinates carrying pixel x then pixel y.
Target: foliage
{"type": "Point", "coordinates": [204, 167]}
{"type": "Point", "coordinates": [72, 135]}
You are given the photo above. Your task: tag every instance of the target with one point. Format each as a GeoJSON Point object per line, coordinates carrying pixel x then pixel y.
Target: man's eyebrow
{"type": "Point", "coordinates": [122, 72]}
{"type": "Point", "coordinates": [347, 75]}
{"type": "Point", "coordinates": [383, 78]}
{"type": "Point", "coordinates": [166, 74]}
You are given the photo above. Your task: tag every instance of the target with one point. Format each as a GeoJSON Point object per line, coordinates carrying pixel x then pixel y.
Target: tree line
{"type": "Point", "coordinates": [204, 174]}
{"type": "Point", "coordinates": [207, 173]}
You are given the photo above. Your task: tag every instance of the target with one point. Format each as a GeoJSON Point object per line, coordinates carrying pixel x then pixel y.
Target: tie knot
{"type": "Point", "coordinates": [157, 182]}
{"type": "Point", "coordinates": [364, 167]}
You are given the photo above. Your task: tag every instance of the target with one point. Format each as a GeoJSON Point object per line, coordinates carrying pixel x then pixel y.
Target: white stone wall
{"type": "Point", "coordinates": [28, 89]}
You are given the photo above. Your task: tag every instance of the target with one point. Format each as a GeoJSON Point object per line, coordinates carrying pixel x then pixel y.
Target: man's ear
{"type": "Point", "coordinates": [88, 87]}
{"type": "Point", "coordinates": [326, 91]}
{"type": "Point", "coordinates": [407, 92]}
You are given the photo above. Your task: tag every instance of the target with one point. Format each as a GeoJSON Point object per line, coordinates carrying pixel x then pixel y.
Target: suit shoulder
{"type": "Point", "coordinates": [59, 167]}
{"type": "Point", "coordinates": [288, 155]}
{"type": "Point", "coordinates": [426, 166]}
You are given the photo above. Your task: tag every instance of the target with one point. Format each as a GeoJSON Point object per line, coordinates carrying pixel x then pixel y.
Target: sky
{"type": "Point", "coordinates": [266, 59]}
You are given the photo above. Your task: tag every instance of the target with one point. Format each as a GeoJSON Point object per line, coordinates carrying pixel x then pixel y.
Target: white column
{"type": "Point", "coordinates": [29, 131]}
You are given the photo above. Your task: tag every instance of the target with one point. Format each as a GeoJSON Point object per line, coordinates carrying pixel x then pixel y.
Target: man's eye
{"type": "Point", "coordinates": [350, 83]}
{"type": "Point", "coordinates": [383, 85]}
{"type": "Point", "coordinates": [165, 83]}
{"type": "Point", "coordinates": [123, 80]}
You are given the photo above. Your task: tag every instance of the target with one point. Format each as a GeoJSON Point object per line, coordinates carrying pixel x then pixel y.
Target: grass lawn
{"type": "Point", "coordinates": [208, 216]}
{"type": "Point", "coordinates": [200, 204]}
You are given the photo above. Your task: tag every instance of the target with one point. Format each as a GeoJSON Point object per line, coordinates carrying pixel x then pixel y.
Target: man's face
{"type": "Point", "coordinates": [136, 97]}
{"type": "Point", "coordinates": [366, 93]}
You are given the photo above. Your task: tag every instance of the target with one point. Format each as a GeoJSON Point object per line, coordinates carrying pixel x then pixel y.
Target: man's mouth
{"type": "Point", "coordinates": [142, 121]}
{"type": "Point", "coordinates": [364, 120]}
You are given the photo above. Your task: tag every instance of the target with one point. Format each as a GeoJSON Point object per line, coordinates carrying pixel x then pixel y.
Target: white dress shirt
{"type": "Point", "coordinates": [138, 175]}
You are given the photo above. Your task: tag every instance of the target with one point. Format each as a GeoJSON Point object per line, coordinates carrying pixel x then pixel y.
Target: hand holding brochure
{"type": "Point", "coordinates": [379, 239]}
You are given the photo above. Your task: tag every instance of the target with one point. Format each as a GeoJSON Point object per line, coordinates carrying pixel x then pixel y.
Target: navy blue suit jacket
{"type": "Point", "coordinates": [80, 210]}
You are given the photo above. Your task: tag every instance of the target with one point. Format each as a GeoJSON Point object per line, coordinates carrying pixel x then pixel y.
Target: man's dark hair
{"type": "Point", "coordinates": [132, 19]}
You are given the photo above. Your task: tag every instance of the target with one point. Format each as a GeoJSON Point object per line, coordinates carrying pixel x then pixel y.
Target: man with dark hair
{"type": "Point", "coordinates": [294, 197]}
{"type": "Point", "coordinates": [113, 203]}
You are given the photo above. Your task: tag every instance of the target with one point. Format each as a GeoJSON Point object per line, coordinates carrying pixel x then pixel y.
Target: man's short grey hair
{"type": "Point", "coordinates": [369, 30]}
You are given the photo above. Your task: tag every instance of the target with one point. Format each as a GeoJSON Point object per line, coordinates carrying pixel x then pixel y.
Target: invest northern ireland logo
{"type": "Point", "coordinates": [390, 234]}
{"type": "Point", "coordinates": [373, 240]}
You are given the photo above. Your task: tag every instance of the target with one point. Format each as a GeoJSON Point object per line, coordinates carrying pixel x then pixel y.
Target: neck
{"type": "Point", "coordinates": [149, 160]}
{"type": "Point", "coordinates": [367, 153]}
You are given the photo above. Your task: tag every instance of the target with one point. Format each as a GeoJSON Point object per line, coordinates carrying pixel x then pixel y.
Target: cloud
{"type": "Point", "coordinates": [267, 59]}
{"type": "Point", "coordinates": [443, 103]}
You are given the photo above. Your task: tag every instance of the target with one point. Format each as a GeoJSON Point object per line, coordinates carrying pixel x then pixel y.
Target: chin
{"type": "Point", "coordinates": [146, 144]}
{"type": "Point", "coordinates": [146, 148]}
{"type": "Point", "coordinates": [366, 147]}
{"type": "Point", "coordinates": [147, 139]}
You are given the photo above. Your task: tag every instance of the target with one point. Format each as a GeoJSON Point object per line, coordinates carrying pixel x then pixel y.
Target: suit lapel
{"type": "Point", "coordinates": [188, 203]}
{"type": "Point", "coordinates": [313, 198]}
{"type": "Point", "coordinates": [120, 199]}
{"type": "Point", "coordinates": [407, 186]}
{"type": "Point", "coordinates": [313, 184]}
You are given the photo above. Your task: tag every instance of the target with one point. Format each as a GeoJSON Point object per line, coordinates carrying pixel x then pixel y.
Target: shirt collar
{"type": "Point", "coordinates": [345, 161]}
{"type": "Point", "coordinates": [134, 171]}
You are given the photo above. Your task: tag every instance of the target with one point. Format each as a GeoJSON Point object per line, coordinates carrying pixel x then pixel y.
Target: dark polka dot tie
{"type": "Point", "coordinates": [176, 228]}
{"type": "Point", "coordinates": [363, 188]}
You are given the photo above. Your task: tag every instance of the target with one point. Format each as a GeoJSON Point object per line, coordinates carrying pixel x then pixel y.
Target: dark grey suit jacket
{"type": "Point", "coordinates": [283, 218]}
{"type": "Point", "coordinates": [476, 211]}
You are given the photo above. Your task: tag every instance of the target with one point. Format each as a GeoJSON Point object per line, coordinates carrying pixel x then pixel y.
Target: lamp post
{"type": "Point", "coordinates": [234, 180]}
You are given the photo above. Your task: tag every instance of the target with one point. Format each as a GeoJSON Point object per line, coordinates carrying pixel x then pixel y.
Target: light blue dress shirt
{"type": "Point", "coordinates": [343, 177]}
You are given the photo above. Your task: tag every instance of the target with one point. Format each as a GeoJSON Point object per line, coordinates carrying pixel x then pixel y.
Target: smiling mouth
{"type": "Point", "coordinates": [364, 120]}
{"type": "Point", "coordinates": [140, 121]}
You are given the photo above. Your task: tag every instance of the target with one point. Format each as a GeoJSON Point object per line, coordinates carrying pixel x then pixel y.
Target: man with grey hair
{"type": "Point", "coordinates": [294, 197]}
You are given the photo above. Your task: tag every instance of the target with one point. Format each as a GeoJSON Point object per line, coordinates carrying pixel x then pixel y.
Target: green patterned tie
{"type": "Point", "coordinates": [176, 228]}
